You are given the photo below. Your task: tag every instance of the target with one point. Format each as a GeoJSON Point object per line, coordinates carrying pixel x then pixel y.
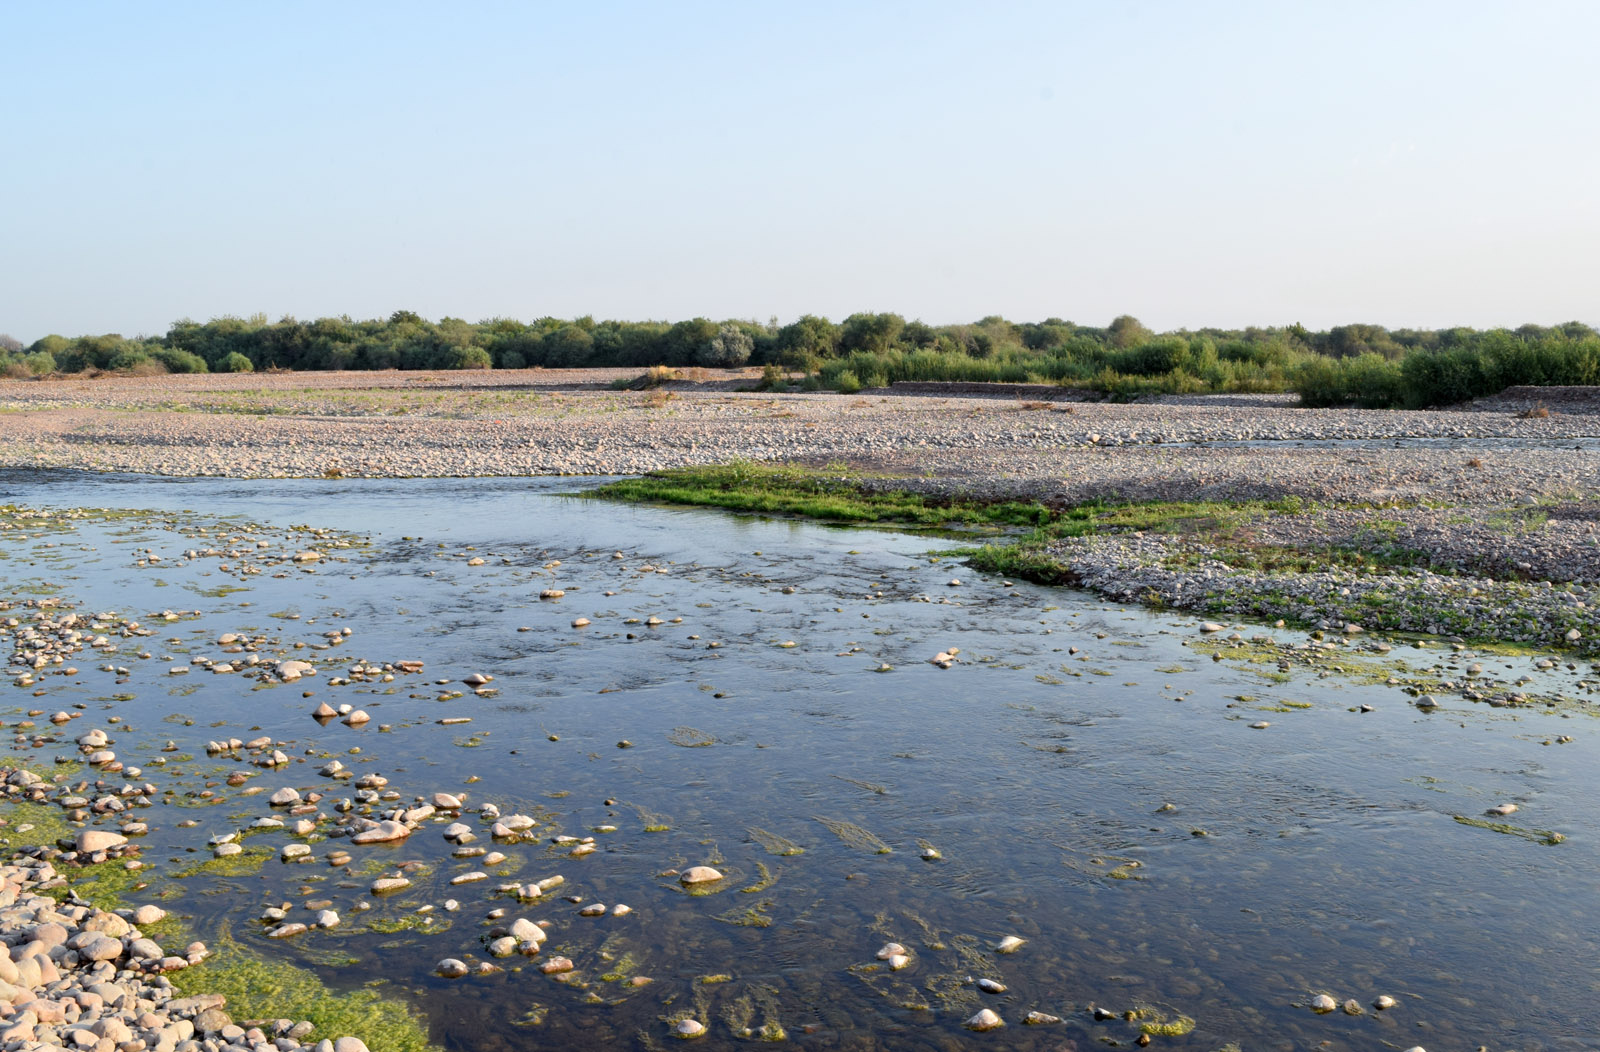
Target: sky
{"type": "Point", "coordinates": [1191, 163]}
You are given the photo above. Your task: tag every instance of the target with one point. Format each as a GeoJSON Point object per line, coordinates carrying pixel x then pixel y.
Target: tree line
{"type": "Point", "coordinates": [1359, 363]}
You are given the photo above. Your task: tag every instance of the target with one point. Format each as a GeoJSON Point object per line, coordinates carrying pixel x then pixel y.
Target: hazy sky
{"type": "Point", "coordinates": [1191, 163]}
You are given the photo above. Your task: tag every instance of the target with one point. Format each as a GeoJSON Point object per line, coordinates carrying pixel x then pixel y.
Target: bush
{"type": "Point", "coordinates": [845, 381]}
{"type": "Point", "coordinates": [234, 362]}
{"type": "Point", "coordinates": [728, 349]}
{"type": "Point", "coordinates": [175, 361]}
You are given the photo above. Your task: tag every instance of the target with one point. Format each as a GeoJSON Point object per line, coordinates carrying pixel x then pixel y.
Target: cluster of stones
{"type": "Point", "coordinates": [47, 636]}
{"type": "Point", "coordinates": [74, 976]}
{"type": "Point", "coordinates": [252, 558]}
{"type": "Point", "coordinates": [1139, 569]}
{"type": "Point", "coordinates": [83, 802]}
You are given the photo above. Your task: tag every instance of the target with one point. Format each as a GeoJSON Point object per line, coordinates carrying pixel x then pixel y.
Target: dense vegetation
{"type": "Point", "coordinates": [1350, 364]}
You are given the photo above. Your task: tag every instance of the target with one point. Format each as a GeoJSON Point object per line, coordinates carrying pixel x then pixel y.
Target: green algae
{"type": "Point", "coordinates": [244, 864]}
{"type": "Point", "coordinates": [855, 836]}
{"type": "Point", "coordinates": [768, 879]}
{"type": "Point", "coordinates": [46, 821]}
{"type": "Point", "coordinates": [775, 844]}
{"type": "Point", "coordinates": [755, 916]}
{"type": "Point", "coordinates": [690, 738]}
{"type": "Point", "coordinates": [1540, 836]}
{"type": "Point", "coordinates": [740, 1012]}
{"type": "Point", "coordinates": [259, 988]}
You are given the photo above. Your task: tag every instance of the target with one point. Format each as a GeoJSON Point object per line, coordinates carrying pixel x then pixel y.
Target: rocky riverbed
{"type": "Point", "coordinates": [1479, 523]}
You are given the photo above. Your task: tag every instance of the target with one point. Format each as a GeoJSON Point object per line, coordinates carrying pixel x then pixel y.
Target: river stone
{"type": "Point", "coordinates": [1384, 1002]}
{"type": "Point", "coordinates": [97, 947]}
{"type": "Point", "coordinates": [700, 875]}
{"type": "Point", "coordinates": [525, 930]}
{"type": "Point", "coordinates": [349, 1044]}
{"type": "Point", "coordinates": [1040, 1018]}
{"type": "Point", "coordinates": [284, 931]}
{"type": "Point", "coordinates": [985, 1020]}
{"type": "Point", "coordinates": [1323, 1003]}
{"type": "Point", "coordinates": [284, 797]}
{"type": "Point", "coordinates": [148, 914]}
{"type": "Point", "coordinates": [890, 949]}
{"type": "Point", "coordinates": [383, 832]}
{"type": "Point", "coordinates": [989, 986]}
{"type": "Point", "coordinates": [689, 1028]}
{"type": "Point", "coordinates": [1009, 944]}
{"type": "Point", "coordinates": [384, 885]}
{"type": "Point", "coordinates": [899, 961]}
{"type": "Point", "coordinates": [557, 965]}
{"type": "Point", "coordinates": [289, 671]}
{"type": "Point", "coordinates": [90, 841]}
{"type": "Point", "coordinates": [504, 946]}
{"type": "Point", "coordinates": [1352, 1007]}
{"type": "Point", "coordinates": [451, 968]}
{"type": "Point", "coordinates": [224, 850]}
{"type": "Point", "coordinates": [446, 802]}
{"type": "Point", "coordinates": [212, 1020]}
{"type": "Point", "coordinates": [293, 851]}
{"type": "Point", "coordinates": [1502, 809]}
{"type": "Point", "coordinates": [327, 919]}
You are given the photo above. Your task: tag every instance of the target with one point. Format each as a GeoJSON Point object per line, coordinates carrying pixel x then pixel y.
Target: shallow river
{"type": "Point", "coordinates": [1084, 777]}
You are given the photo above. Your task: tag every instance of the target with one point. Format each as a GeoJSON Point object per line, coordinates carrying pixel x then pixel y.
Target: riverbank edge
{"type": "Point", "coordinates": [1167, 555]}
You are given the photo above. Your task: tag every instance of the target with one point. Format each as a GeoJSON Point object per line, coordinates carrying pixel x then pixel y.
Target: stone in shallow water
{"type": "Point", "coordinates": [1009, 944]}
{"type": "Point", "coordinates": [689, 1028]}
{"type": "Point", "coordinates": [451, 968]}
{"type": "Point", "coordinates": [1323, 1003]}
{"type": "Point", "coordinates": [1040, 1018]}
{"type": "Point", "coordinates": [386, 830]}
{"type": "Point", "coordinates": [985, 1020]}
{"type": "Point", "coordinates": [91, 840]}
{"type": "Point", "coordinates": [700, 875]}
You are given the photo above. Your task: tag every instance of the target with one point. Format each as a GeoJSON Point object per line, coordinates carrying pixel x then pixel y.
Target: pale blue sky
{"type": "Point", "coordinates": [1412, 164]}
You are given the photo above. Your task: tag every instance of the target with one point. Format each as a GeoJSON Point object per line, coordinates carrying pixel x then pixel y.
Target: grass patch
{"type": "Point", "coordinates": [831, 494]}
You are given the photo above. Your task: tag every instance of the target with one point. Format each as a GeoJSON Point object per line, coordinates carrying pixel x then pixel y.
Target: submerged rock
{"type": "Point", "coordinates": [1009, 944]}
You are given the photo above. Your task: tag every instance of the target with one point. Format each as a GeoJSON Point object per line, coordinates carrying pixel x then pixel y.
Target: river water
{"type": "Point", "coordinates": [1083, 777]}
